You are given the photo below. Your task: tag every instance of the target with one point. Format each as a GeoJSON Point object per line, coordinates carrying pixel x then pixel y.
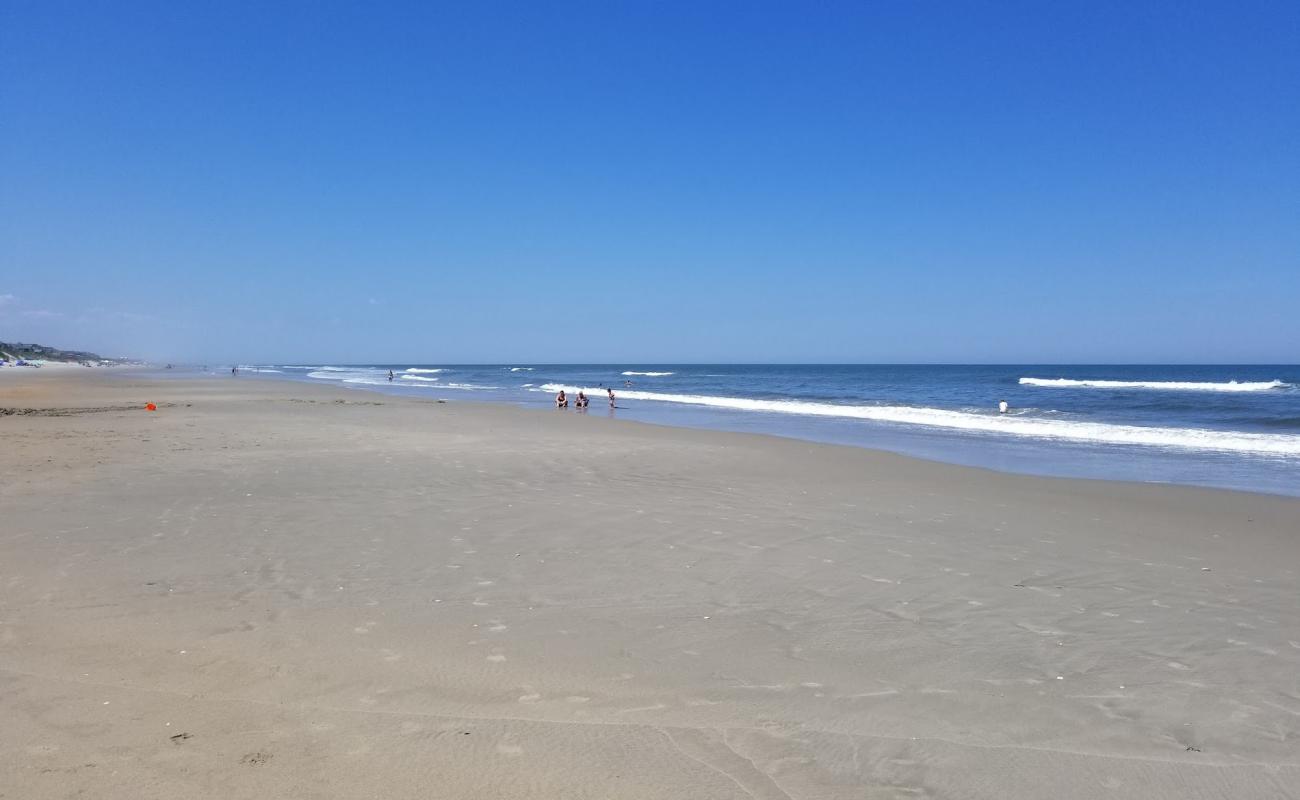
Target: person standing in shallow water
{"type": "Point", "coordinates": [390, 376]}
{"type": "Point", "coordinates": [1002, 406]}
{"type": "Point", "coordinates": [611, 397]}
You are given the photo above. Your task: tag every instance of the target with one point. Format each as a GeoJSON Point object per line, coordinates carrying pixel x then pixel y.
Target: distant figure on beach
{"type": "Point", "coordinates": [390, 375]}
{"type": "Point", "coordinates": [561, 401]}
{"type": "Point", "coordinates": [234, 370]}
{"type": "Point", "coordinates": [1002, 406]}
{"type": "Point", "coordinates": [582, 400]}
{"type": "Point", "coordinates": [611, 398]}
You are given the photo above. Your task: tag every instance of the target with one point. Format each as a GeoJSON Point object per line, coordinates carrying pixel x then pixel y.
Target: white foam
{"type": "Point", "coordinates": [1178, 386]}
{"type": "Point", "coordinates": [1287, 445]}
{"type": "Point", "coordinates": [253, 368]}
{"type": "Point", "coordinates": [372, 377]}
{"type": "Point", "coordinates": [379, 377]}
{"type": "Point", "coordinates": [521, 369]}
{"type": "Point", "coordinates": [419, 370]}
{"type": "Point", "coordinates": [385, 382]}
{"type": "Point", "coordinates": [381, 381]}
{"type": "Point", "coordinates": [648, 374]}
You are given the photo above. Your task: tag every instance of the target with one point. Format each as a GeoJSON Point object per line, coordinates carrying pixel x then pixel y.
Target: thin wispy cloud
{"type": "Point", "coordinates": [102, 314]}
{"type": "Point", "coordinates": [10, 306]}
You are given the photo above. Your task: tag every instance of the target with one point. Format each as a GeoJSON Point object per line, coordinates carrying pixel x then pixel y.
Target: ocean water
{"type": "Point", "coordinates": [1226, 426]}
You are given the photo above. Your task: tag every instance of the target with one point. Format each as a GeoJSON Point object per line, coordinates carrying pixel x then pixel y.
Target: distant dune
{"type": "Point", "coordinates": [13, 351]}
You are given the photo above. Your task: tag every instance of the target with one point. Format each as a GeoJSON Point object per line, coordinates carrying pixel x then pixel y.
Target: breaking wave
{"type": "Point", "coordinates": [1287, 445]}
{"type": "Point", "coordinates": [1177, 386]}
{"type": "Point", "coordinates": [649, 374]}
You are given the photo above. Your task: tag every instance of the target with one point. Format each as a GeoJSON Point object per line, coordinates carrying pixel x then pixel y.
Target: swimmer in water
{"type": "Point", "coordinates": [1002, 406]}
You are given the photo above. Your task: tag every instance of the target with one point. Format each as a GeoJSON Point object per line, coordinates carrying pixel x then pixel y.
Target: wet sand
{"type": "Point", "coordinates": [271, 589]}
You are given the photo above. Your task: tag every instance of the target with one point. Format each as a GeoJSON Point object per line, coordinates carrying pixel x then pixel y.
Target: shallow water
{"type": "Point", "coordinates": [1227, 426]}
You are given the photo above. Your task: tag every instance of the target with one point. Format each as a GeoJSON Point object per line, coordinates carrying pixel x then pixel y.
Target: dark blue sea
{"type": "Point", "coordinates": [1226, 426]}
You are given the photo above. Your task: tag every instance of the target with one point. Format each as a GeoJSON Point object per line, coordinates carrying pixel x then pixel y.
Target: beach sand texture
{"type": "Point", "coordinates": [274, 590]}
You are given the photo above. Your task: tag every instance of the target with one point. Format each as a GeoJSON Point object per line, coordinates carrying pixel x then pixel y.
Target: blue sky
{"type": "Point", "coordinates": [653, 182]}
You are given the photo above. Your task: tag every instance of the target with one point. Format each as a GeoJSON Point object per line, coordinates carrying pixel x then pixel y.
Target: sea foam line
{"type": "Point", "coordinates": [379, 377]}
{"type": "Point", "coordinates": [348, 375]}
{"type": "Point", "coordinates": [648, 374]}
{"type": "Point", "coordinates": [421, 370]}
{"type": "Point", "coordinates": [1287, 445]}
{"type": "Point", "coordinates": [1178, 386]}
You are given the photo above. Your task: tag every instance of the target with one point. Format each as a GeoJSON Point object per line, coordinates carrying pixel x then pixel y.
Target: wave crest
{"type": "Point", "coordinates": [1176, 386]}
{"type": "Point", "coordinates": [648, 374]}
{"type": "Point", "coordinates": [1286, 445]}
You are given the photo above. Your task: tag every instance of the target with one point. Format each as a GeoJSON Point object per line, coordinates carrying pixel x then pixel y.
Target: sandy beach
{"type": "Point", "coordinates": [276, 590]}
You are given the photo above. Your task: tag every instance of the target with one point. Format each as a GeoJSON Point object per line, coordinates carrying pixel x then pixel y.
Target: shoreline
{"type": "Point", "coordinates": [1005, 467]}
{"type": "Point", "coordinates": [267, 588]}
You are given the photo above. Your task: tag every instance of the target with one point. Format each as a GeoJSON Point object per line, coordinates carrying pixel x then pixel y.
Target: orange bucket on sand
{"type": "Point", "coordinates": [150, 407]}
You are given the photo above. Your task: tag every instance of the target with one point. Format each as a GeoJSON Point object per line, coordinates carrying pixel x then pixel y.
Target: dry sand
{"type": "Point", "coordinates": [273, 590]}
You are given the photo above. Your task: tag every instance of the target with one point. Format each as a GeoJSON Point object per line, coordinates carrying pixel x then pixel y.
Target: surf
{"type": "Point", "coordinates": [1175, 386]}
{"type": "Point", "coordinates": [1283, 445]}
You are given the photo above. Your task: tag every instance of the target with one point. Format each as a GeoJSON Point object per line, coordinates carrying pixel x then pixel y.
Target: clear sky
{"type": "Point", "coordinates": [653, 181]}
